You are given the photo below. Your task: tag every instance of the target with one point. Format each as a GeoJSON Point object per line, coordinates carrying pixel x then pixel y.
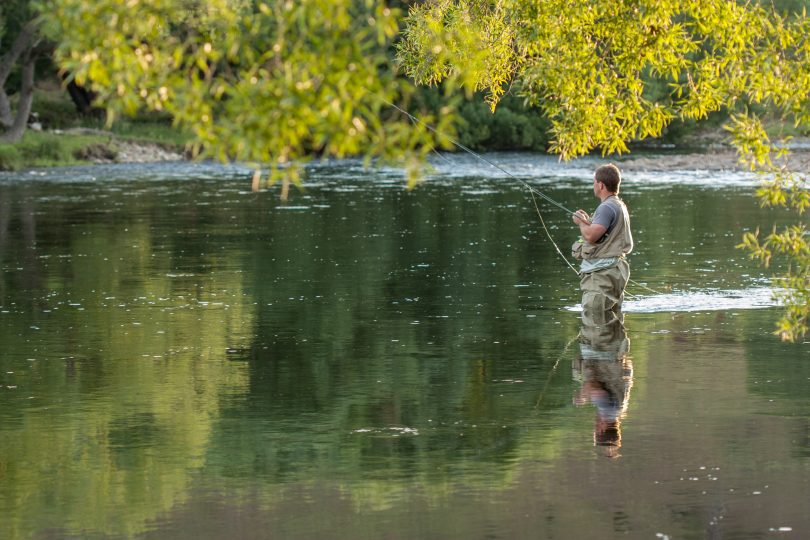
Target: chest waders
{"type": "Point", "coordinates": [603, 288]}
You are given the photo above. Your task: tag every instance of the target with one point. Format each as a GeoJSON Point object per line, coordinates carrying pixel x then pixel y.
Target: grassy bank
{"type": "Point", "coordinates": [69, 138]}
{"type": "Point", "coordinates": [43, 149]}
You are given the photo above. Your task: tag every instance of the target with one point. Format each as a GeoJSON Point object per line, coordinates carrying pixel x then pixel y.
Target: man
{"type": "Point", "coordinates": [606, 240]}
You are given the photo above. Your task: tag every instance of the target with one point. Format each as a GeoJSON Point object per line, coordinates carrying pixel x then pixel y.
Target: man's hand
{"type": "Point", "coordinates": [591, 232]}
{"type": "Point", "coordinates": [581, 217]}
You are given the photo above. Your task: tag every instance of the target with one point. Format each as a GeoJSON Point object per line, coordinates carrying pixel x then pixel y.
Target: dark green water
{"type": "Point", "coordinates": [182, 358]}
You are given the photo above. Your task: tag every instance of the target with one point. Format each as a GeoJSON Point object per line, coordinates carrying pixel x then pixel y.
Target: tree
{"type": "Point", "coordinates": [276, 82]}
{"type": "Point", "coordinates": [18, 31]}
{"type": "Point", "coordinates": [257, 82]}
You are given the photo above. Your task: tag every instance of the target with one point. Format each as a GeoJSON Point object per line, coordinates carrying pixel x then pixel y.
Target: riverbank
{"type": "Point", "coordinates": [81, 146]}
{"type": "Point", "coordinates": [723, 160]}
{"type": "Point", "coordinates": [116, 149]}
{"type": "Point", "coordinates": [58, 135]}
{"type": "Point", "coordinates": [719, 159]}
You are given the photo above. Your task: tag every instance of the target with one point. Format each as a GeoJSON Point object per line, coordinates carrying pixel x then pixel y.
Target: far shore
{"type": "Point", "coordinates": [716, 156]}
{"type": "Point", "coordinates": [712, 160]}
{"type": "Point", "coordinates": [128, 151]}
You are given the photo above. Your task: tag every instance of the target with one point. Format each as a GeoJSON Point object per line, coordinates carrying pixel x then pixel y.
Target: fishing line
{"type": "Point", "coordinates": [549, 234]}
{"type": "Point", "coordinates": [478, 156]}
{"type": "Point", "coordinates": [553, 370]}
{"type": "Point", "coordinates": [532, 190]}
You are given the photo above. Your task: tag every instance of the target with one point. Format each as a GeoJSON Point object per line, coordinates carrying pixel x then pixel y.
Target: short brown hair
{"type": "Point", "coordinates": [610, 176]}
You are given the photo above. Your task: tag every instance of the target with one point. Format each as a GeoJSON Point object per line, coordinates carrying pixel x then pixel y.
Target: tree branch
{"type": "Point", "coordinates": [21, 43]}
{"type": "Point", "coordinates": [6, 118]}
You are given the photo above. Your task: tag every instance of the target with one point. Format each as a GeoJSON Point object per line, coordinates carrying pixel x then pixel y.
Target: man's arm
{"type": "Point", "coordinates": [591, 232]}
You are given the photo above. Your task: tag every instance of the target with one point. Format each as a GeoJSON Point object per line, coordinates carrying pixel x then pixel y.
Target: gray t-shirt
{"type": "Point", "coordinates": [607, 214]}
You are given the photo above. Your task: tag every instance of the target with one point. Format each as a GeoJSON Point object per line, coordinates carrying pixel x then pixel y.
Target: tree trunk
{"type": "Point", "coordinates": [15, 132]}
{"type": "Point", "coordinates": [6, 118]}
{"type": "Point", "coordinates": [7, 61]}
{"type": "Point", "coordinates": [82, 98]}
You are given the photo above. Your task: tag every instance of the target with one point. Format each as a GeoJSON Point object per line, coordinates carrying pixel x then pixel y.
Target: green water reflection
{"type": "Point", "coordinates": [182, 358]}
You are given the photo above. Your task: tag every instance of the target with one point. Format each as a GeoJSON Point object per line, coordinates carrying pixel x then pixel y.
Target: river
{"type": "Point", "coordinates": [183, 358]}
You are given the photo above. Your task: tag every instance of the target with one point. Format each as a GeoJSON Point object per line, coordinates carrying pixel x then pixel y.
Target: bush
{"type": "Point", "coordinates": [513, 126]}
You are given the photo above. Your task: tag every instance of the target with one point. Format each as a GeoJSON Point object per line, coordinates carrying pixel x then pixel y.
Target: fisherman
{"type": "Point", "coordinates": [605, 241]}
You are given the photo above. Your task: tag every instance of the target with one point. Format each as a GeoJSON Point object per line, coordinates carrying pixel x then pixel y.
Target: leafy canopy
{"type": "Point", "coordinates": [588, 65]}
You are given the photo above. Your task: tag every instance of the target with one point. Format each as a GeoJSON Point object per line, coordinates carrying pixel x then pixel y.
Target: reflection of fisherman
{"type": "Point", "coordinates": [606, 239]}
{"type": "Point", "coordinates": [606, 374]}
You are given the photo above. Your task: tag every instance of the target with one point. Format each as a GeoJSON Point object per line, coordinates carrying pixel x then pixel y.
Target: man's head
{"type": "Point", "coordinates": [610, 176]}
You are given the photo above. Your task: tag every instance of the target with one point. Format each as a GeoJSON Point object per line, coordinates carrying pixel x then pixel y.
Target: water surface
{"type": "Point", "coordinates": [182, 358]}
